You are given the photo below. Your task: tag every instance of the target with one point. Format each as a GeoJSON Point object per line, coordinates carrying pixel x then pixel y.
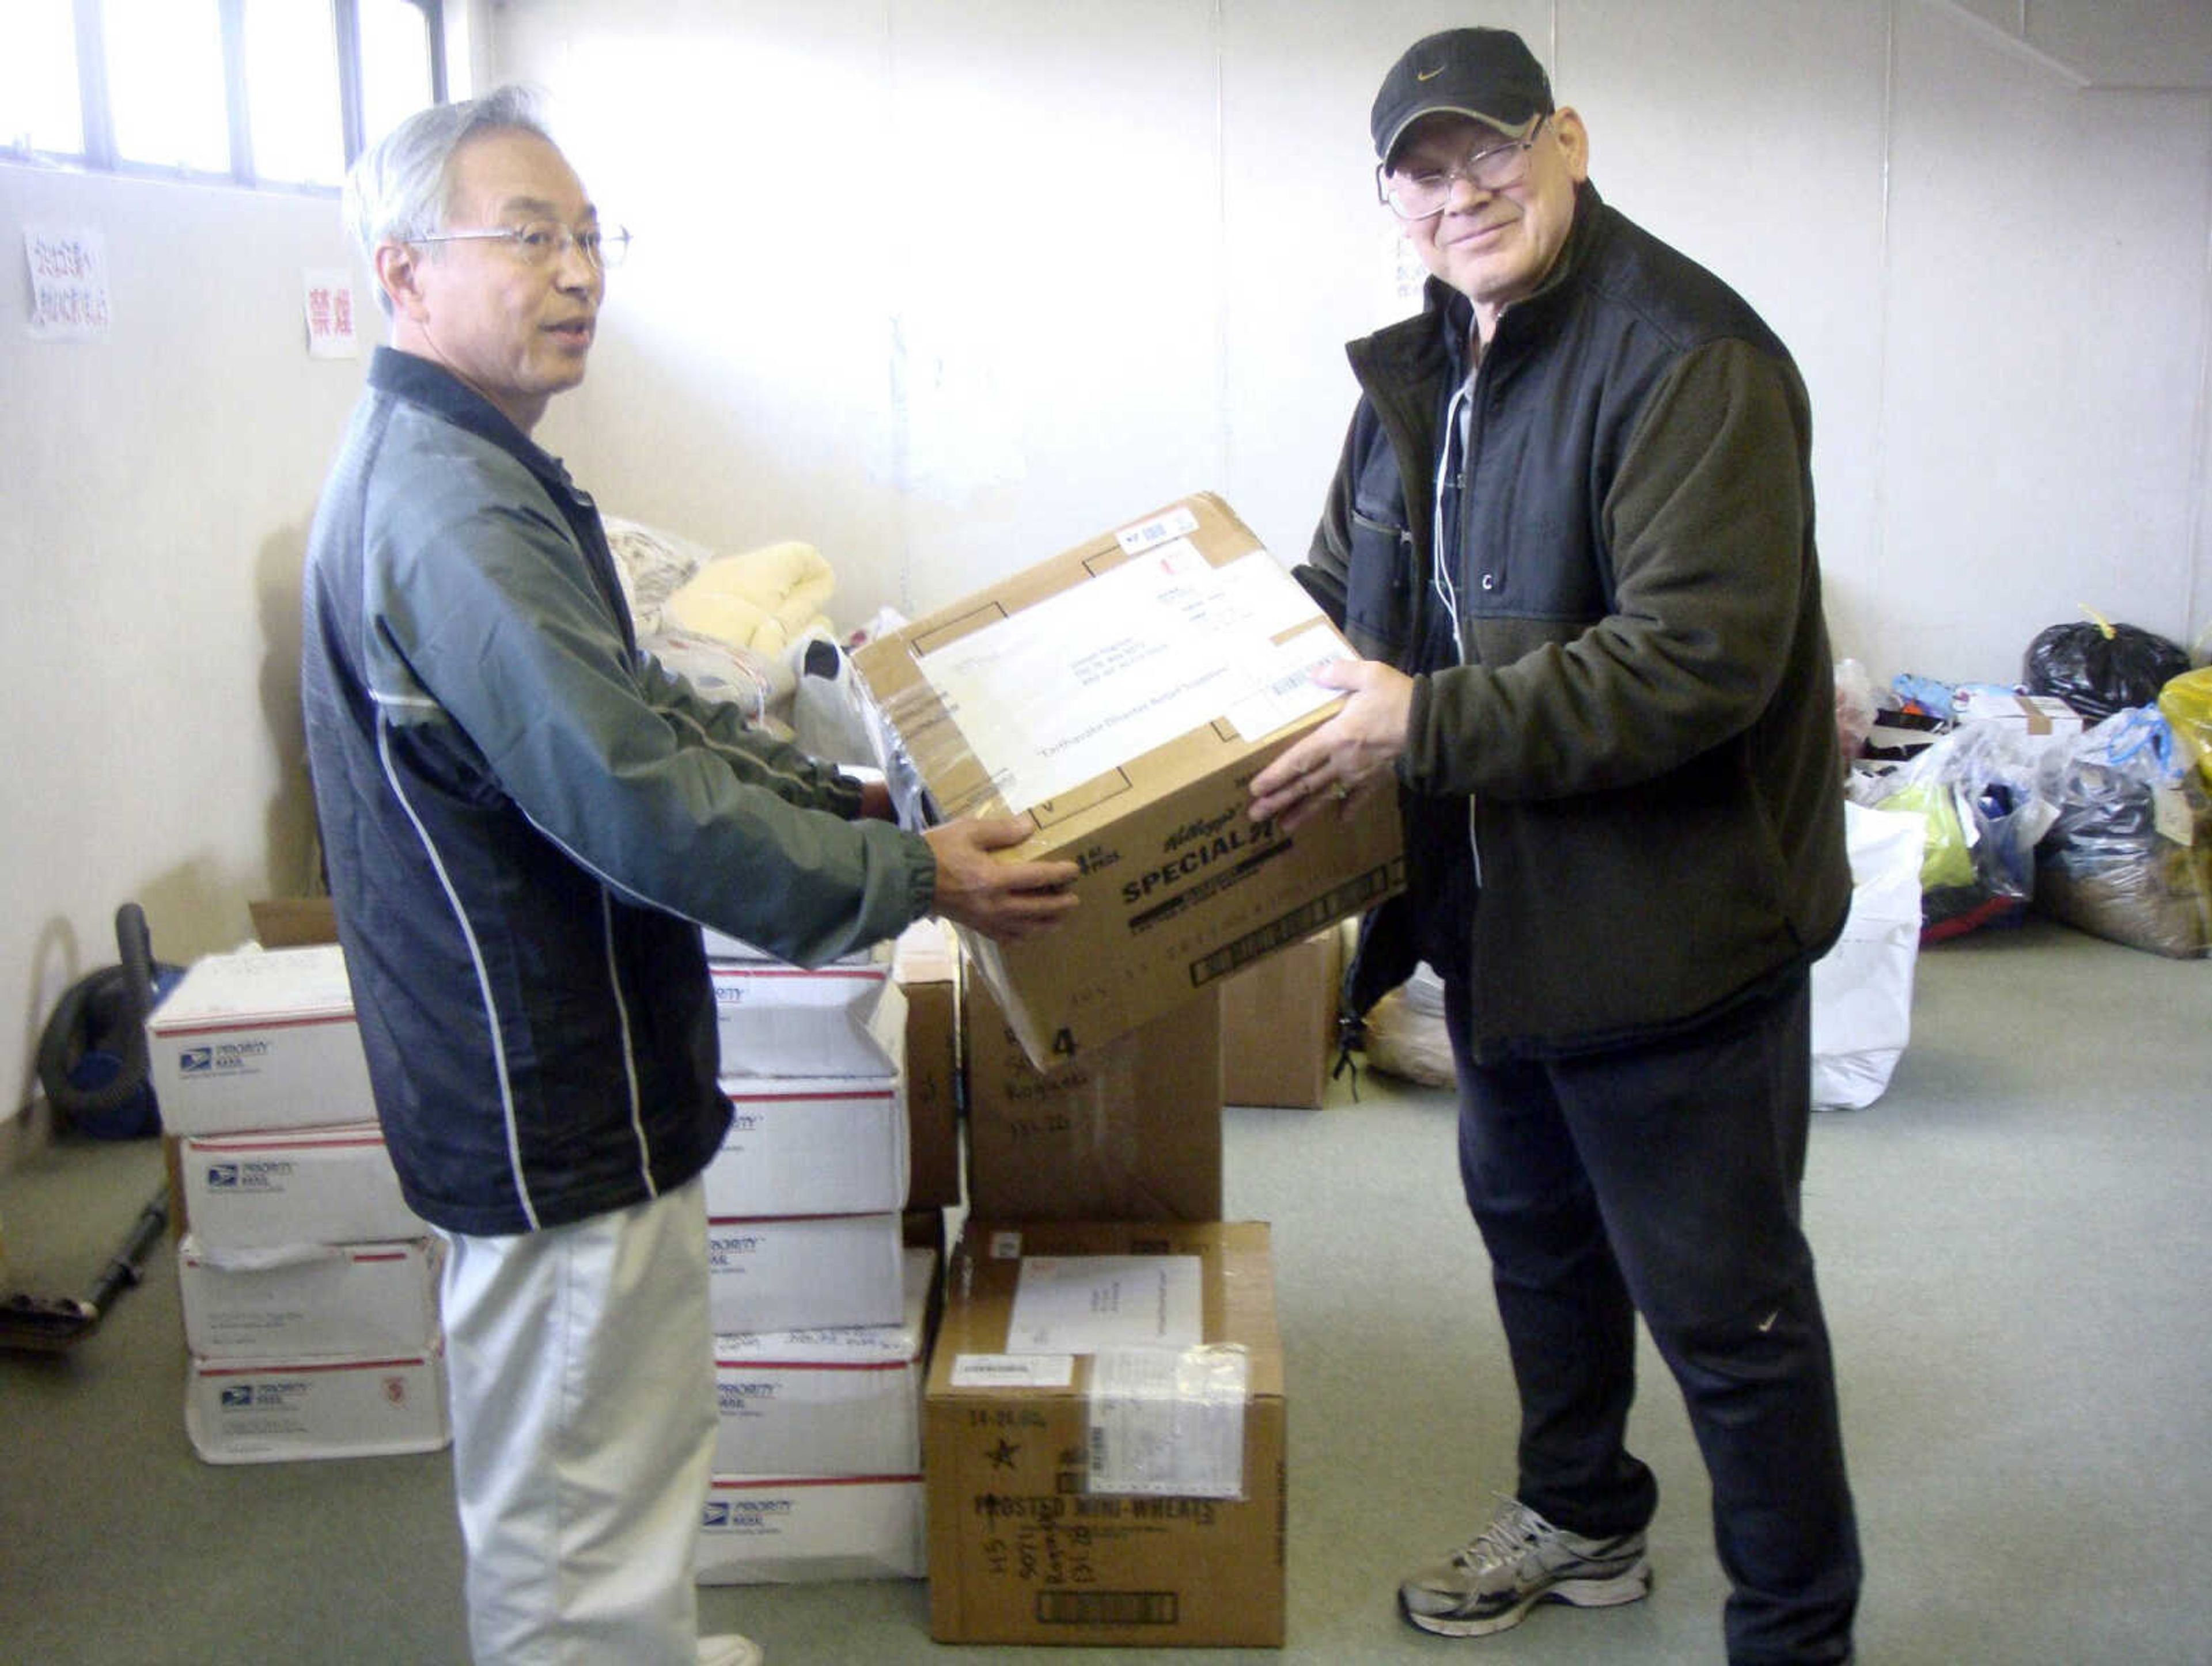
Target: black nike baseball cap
{"type": "Point", "coordinates": [1487, 74]}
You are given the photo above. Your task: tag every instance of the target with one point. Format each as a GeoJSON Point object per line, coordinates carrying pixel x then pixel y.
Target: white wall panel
{"type": "Point", "coordinates": [1752, 139]}
{"type": "Point", "coordinates": [1121, 246]}
{"type": "Point", "coordinates": [155, 488]}
{"type": "Point", "coordinates": [2045, 292]}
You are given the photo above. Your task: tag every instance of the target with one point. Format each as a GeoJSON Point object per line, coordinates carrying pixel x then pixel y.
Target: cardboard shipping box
{"type": "Point", "coordinates": [2037, 717]}
{"type": "Point", "coordinates": [259, 1039]}
{"type": "Point", "coordinates": [1104, 1438]}
{"type": "Point", "coordinates": [1130, 1131]}
{"type": "Point", "coordinates": [805, 1271]}
{"type": "Point", "coordinates": [305, 1300]}
{"type": "Point", "coordinates": [307, 1185]}
{"type": "Point", "coordinates": [778, 1530]}
{"type": "Point", "coordinates": [1279, 1025]}
{"type": "Point", "coordinates": [1122, 695]}
{"type": "Point", "coordinates": [819, 1145]}
{"type": "Point", "coordinates": [925, 961]}
{"type": "Point", "coordinates": [775, 1019]}
{"type": "Point", "coordinates": [843, 1401]}
{"type": "Point", "coordinates": [276, 1411]}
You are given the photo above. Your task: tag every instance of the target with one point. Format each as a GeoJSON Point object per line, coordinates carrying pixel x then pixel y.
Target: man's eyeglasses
{"type": "Point", "coordinates": [544, 242]}
{"type": "Point", "coordinates": [1418, 193]}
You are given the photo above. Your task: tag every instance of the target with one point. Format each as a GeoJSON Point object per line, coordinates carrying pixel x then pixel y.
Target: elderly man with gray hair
{"type": "Point", "coordinates": [1571, 534]}
{"type": "Point", "coordinates": [526, 820]}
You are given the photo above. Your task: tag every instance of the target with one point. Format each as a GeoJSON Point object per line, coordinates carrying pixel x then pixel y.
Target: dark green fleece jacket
{"type": "Point", "coordinates": [1639, 743]}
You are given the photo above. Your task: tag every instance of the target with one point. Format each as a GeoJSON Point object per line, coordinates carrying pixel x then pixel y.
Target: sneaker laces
{"type": "Point", "coordinates": [1511, 1531]}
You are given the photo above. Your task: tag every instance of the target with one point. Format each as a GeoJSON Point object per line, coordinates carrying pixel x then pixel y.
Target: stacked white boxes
{"type": "Point", "coordinates": [309, 1289]}
{"type": "Point", "coordinates": [820, 1312]}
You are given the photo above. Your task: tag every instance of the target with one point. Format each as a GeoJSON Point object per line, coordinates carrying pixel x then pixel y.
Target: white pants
{"type": "Point", "coordinates": [580, 1363]}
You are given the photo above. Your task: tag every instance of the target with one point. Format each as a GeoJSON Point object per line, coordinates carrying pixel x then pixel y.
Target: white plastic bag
{"type": "Point", "coordinates": [1862, 987]}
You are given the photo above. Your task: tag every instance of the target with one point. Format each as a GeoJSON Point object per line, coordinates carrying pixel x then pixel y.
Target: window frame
{"type": "Point", "coordinates": [96, 105]}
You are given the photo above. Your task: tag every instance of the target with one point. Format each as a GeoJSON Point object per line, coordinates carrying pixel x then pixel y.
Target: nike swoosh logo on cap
{"type": "Point", "coordinates": [1428, 75]}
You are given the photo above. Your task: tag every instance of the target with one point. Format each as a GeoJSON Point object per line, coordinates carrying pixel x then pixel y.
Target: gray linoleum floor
{"type": "Point", "coordinates": [2013, 1246]}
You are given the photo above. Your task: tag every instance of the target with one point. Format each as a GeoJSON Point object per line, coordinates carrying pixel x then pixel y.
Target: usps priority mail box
{"type": "Point", "coordinates": [757, 1531]}
{"type": "Point", "coordinates": [842, 1400]}
{"type": "Point", "coordinates": [774, 1020]}
{"type": "Point", "coordinates": [309, 1299]}
{"type": "Point", "coordinates": [259, 1039]}
{"type": "Point", "coordinates": [810, 1145]}
{"type": "Point", "coordinates": [275, 1411]}
{"type": "Point", "coordinates": [805, 1272]}
{"type": "Point", "coordinates": [319, 1185]}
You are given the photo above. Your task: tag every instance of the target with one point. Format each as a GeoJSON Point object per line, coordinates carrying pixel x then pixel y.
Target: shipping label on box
{"type": "Point", "coordinates": [821, 1145]}
{"type": "Point", "coordinates": [1104, 1441]}
{"type": "Point", "coordinates": [771, 1530]}
{"type": "Point", "coordinates": [270, 1412]}
{"type": "Point", "coordinates": [1123, 696]}
{"type": "Point", "coordinates": [804, 1273]}
{"type": "Point", "coordinates": [774, 1020]}
{"type": "Point", "coordinates": [842, 1400]}
{"type": "Point", "coordinates": [306, 1300]}
{"type": "Point", "coordinates": [323, 1185]}
{"type": "Point", "coordinates": [1129, 1130]}
{"type": "Point", "coordinates": [259, 1039]}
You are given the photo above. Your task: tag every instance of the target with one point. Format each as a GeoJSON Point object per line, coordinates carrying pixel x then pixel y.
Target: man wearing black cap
{"type": "Point", "coordinates": [1571, 536]}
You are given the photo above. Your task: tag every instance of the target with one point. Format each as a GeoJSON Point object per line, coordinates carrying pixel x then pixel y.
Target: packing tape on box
{"type": "Point", "coordinates": [1169, 1422]}
{"type": "Point", "coordinates": [932, 771]}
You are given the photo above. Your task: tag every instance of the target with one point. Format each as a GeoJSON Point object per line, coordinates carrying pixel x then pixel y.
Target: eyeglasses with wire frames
{"type": "Point", "coordinates": [546, 242]}
{"type": "Point", "coordinates": [1417, 195]}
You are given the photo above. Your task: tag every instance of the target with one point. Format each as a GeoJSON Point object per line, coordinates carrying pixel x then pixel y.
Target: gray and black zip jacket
{"type": "Point", "coordinates": [526, 820]}
{"type": "Point", "coordinates": [1626, 771]}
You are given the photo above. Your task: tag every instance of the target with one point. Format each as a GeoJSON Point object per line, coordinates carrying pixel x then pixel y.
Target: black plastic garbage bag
{"type": "Point", "coordinates": [2099, 668]}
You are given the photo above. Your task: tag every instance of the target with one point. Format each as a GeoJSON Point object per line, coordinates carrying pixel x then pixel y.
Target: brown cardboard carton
{"type": "Point", "coordinates": [1279, 1025]}
{"type": "Point", "coordinates": [1121, 696]}
{"type": "Point", "coordinates": [926, 964]}
{"type": "Point", "coordinates": [1130, 1131]}
{"type": "Point", "coordinates": [293, 922]}
{"type": "Point", "coordinates": [1035, 1534]}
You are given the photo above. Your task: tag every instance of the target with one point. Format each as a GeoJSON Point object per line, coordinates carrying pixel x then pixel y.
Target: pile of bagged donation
{"type": "Point", "coordinates": [979, 1317]}
{"type": "Point", "coordinates": [2082, 792]}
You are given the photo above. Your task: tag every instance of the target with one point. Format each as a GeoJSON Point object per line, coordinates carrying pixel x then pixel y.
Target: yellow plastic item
{"type": "Point", "coordinates": [2185, 703]}
{"type": "Point", "coordinates": [1947, 859]}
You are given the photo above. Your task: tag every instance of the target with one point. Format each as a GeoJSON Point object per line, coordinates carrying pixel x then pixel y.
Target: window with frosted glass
{"type": "Point", "coordinates": [165, 83]}
{"type": "Point", "coordinates": [39, 108]}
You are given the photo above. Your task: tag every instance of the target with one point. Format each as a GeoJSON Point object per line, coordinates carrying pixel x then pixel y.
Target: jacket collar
{"type": "Point", "coordinates": [422, 382]}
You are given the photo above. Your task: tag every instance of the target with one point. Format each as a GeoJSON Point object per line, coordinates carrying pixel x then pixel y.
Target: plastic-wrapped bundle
{"type": "Point", "coordinates": [1405, 1033]}
{"type": "Point", "coordinates": [2129, 856]}
{"type": "Point", "coordinates": [2099, 668]}
{"type": "Point", "coordinates": [2185, 703]}
{"type": "Point", "coordinates": [1983, 790]}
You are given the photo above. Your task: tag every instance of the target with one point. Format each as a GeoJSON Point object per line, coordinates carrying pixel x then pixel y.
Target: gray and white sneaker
{"type": "Point", "coordinates": [1517, 1561]}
